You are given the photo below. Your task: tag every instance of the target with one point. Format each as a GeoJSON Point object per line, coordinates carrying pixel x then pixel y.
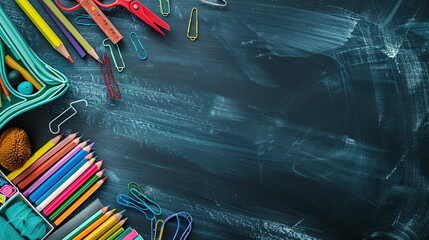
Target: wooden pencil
{"type": "Point", "coordinates": [5, 91]}
{"type": "Point", "coordinates": [113, 230]}
{"type": "Point", "coordinates": [79, 202]}
{"type": "Point", "coordinates": [44, 28]}
{"type": "Point", "coordinates": [63, 207]}
{"type": "Point", "coordinates": [72, 188]}
{"type": "Point", "coordinates": [105, 226]}
{"type": "Point", "coordinates": [94, 225]}
{"type": "Point", "coordinates": [46, 165]}
{"type": "Point", "coordinates": [73, 31]}
{"type": "Point", "coordinates": [85, 224]}
{"type": "Point", "coordinates": [65, 185]}
{"type": "Point", "coordinates": [44, 158]}
{"type": "Point", "coordinates": [50, 144]}
{"type": "Point", "coordinates": [116, 234]}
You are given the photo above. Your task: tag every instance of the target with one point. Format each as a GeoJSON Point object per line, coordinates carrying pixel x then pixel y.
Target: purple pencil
{"type": "Point", "coordinates": [53, 169]}
{"type": "Point", "coordinates": [71, 39]}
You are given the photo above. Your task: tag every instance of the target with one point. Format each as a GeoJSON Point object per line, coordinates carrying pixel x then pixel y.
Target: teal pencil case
{"type": "Point", "coordinates": [53, 83]}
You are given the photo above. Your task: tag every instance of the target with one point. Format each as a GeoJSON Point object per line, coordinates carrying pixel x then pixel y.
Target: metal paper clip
{"type": "Point", "coordinates": [135, 46]}
{"type": "Point", "coordinates": [85, 16]}
{"type": "Point", "coordinates": [183, 215]}
{"type": "Point", "coordinates": [223, 4]}
{"type": "Point", "coordinates": [71, 107]}
{"type": "Point", "coordinates": [137, 200]}
{"type": "Point", "coordinates": [120, 69]}
{"type": "Point", "coordinates": [193, 38]}
{"type": "Point", "coordinates": [108, 77]}
{"type": "Point", "coordinates": [165, 14]}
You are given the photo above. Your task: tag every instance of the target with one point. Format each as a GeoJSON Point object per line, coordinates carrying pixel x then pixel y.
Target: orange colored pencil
{"type": "Point", "coordinates": [46, 165]}
{"type": "Point", "coordinates": [5, 90]}
{"type": "Point", "coordinates": [94, 225]}
{"type": "Point", "coordinates": [79, 202]}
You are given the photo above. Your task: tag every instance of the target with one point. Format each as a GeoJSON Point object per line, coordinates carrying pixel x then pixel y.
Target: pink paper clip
{"type": "Point", "coordinates": [8, 191]}
{"type": "Point", "coordinates": [108, 77]}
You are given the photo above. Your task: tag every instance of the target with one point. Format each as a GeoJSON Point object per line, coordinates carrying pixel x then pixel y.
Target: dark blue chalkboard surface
{"type": "Point", "coordinates": [284, 119]}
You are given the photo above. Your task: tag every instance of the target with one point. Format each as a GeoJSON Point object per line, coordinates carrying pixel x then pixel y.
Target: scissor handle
{"type": "Point", "coordinates": [116, 3]}
{"type": "Point", "coordinates": [68, 9]}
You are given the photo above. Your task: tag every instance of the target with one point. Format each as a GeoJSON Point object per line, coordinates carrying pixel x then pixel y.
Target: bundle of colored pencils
{"type": "Point", "coordinates": [60, 176]}
{"type": "Point", "coordinates": [102, 225]}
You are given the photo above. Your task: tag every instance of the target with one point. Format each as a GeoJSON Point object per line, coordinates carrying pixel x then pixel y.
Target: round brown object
{"type": "Point", "coordinates": [15, 148]}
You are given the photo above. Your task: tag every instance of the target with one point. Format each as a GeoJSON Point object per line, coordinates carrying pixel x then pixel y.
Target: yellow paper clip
{"type": "Point", "coordinates": [165, 14]}
{"type": "Point", "coordinates": [161, 230]}
{"type": "Point", "coordinates": [223, 4]}
{"type": "Point", "coordinates": [119, 68]}
{"type": "Point", "coordinates": [193, 38]}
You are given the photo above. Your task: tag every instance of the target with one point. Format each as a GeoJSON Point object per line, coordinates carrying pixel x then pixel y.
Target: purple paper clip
{"type": "Point", "coordinates": [8, 190]}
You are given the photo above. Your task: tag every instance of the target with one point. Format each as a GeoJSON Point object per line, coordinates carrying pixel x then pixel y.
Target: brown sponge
{"type": "Point", "coordinates": [15, 148]}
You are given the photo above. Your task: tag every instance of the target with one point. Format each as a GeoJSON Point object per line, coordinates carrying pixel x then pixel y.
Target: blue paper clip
{"type": "Point", "coordinates": [135, 46]}
{"type": "Point", "coordinates": [179, 215]}
{"type": "Point", "coordinates": [137, 200]}
{"type": "Point", "coordinates": [84, 16]}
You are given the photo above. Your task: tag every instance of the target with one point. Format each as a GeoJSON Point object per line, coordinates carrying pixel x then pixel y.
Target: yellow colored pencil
{"type": "Point", "coordinates": [44, 28]}
{"type": "Point", "coordinates": [111, 231]}
{"type": "Point", "coordinates": [108, 224]}
{"type": "Point", "coordinates": [79, 202]}
{"type": "Point", "coordinates": [35, 156]}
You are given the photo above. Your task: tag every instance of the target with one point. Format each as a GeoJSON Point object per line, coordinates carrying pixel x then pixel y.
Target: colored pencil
{"type": "Point", "coordinates": [57, 190]}
{"type": "Point", "coordinates": [124, 233]}
{"type": "Point", "coordinates": [45, 157]}
{"type": "Point", "coordinates": [105, 226]}
{"type": "Point", "coordinates": [44, 28]}
{"type": "Point", "coordinates": [78, 169]}
{"type": "Point", "coordinates": [94, 225]}
{"type": "Point", "coordinates": [85, 224]}
{"type": "Point", "coordinates": [73, 31]}
{"type": "Point", "coordinates": [63, 29]}
{"type": "Point", "coordinates": [53, 169]}
{"type": "Point", "coordinates": [79, 202]}
{"type": "Point", "coordinates": [76, 195]}
{"type": "Point", "coordinates": [113, 230]}
{"type": "Point", "coordinates": [61, 171]}
{"type": "Point", "coordinates": [51, 143]}
{"type": "Point", "coordinates": [116, 234]}
{"type": "Point", "coordinates": [5, 90]}
{"type": "Point", "coordinates": [51, 161]}
{"type": "Point", "coordinates": [131, 236]}
{"type": "Point", "coordinates": [64, 178]}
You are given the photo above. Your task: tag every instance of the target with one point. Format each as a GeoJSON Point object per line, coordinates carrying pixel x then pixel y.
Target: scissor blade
{"type": "Point", "coordinates": [147, 16]}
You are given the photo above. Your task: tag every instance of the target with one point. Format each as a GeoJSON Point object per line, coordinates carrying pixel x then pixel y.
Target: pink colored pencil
{"type": "Point", "coordinates": [72, 188]}
{"type": "Point", "coordinates": [45, 157]}
{"type": "Point", "coordinates": [53, 169]}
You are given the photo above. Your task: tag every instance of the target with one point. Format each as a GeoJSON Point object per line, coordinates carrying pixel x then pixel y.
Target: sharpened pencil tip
{"type": "Point", "coordinates": [104, 179]}
{"type": "Point", "coordinates": [121, 212]}
{"type": "Point", "coordinates": [103, 170]}
{"type": "Point", "coordinates": [92, 144]}
{"type": "Point", "coordinates": [61, 134]}
{"type": "Point", "coordinates": [70, 59]}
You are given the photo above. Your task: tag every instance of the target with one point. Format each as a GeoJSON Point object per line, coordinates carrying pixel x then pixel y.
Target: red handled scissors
{"type": "Point", "coordinates": [134, 7]}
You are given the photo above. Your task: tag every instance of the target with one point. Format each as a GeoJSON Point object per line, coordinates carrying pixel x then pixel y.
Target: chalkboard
{"type": "Point", "coordinates": [283, 120]}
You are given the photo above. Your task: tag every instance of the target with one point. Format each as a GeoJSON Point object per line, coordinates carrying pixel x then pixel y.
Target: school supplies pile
{"type": "Point", "coordinates": [25, 80]}
{"type": "Point", "coordinates": [60, 176]}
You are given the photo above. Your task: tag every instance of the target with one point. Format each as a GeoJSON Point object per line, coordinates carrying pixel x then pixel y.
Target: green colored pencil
{"type": "Point", "coordinates": [73, 31]}
{"type": "Point", "coordinates": [73, 197]}
{"type": "Point", "coordinates": [124, 233]}
{"type": "Point", "coordinates": [117, 233]}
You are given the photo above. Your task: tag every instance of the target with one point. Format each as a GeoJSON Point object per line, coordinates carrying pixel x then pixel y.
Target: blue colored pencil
{"type": "Point", "coordinates": [60, 173]}
{"type": "Point", "coordinates": [61, 181]}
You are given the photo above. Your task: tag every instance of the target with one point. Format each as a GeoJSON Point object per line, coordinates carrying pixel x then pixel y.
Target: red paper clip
{"type": "Point", "coordinates": [108, 77]}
